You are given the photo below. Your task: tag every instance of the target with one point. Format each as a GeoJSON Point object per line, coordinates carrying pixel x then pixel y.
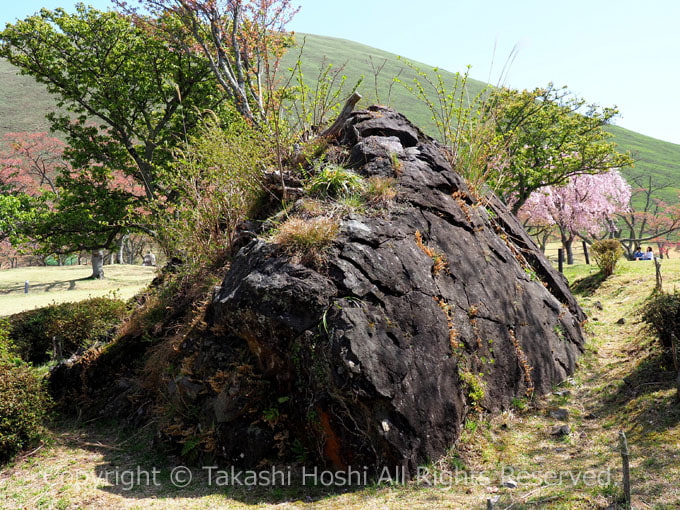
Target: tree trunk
{"type": "Point", "coordinates": [121, 249]}
{"type": "Point", "coordinates": [567, 243]}
{"type": "Point", "coordinates": [97, 264]}
{"type": "Point", "coordinates": [544, 241]}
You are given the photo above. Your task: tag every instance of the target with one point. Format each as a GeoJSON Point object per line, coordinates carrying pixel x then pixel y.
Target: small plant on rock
{"type": "Point", "coordinates": [334, 180]}
{"type": "Point", "coordinates": [381, 190]}
{"type": "Point", "coordinates": [439, 261]}
{"type": "Point", "coordinates": [476, 387]}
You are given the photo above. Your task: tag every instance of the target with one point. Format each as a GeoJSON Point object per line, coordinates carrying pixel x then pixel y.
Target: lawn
{"type": "Point", "coordinates": [623, 382]}
{"type": "Point", "coordinates": [53, 284]}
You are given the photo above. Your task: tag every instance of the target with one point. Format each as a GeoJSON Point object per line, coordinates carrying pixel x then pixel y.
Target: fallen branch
{"type": "Point", "coordinates": [525, 496]}
{"type": "Point", "coordinates": [32, 452]}
{"type": "Point", "coordinates": [334, 129]}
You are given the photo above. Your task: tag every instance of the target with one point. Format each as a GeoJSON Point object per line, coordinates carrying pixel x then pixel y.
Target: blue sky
{"type": "Point", "coordinates": [610, 52]}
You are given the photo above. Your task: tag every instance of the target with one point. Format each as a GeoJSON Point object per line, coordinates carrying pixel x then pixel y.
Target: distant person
{"type": "Point", "coordinates": [649, 254]}
{"type": "Point", "coordinates": [149, 259]}
{"type": "Point", "coordinates": [637, 254]}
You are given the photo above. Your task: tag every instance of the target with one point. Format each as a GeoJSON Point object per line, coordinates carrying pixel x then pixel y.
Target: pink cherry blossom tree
{"type": "Point", "coordinates": [587, 204]}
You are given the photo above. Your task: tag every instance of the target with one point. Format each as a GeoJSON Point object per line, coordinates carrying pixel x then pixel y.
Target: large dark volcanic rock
{"type": "Point", "coordinates": [372, 359]}
{"type": "Point", "coordinates": [376, 358]}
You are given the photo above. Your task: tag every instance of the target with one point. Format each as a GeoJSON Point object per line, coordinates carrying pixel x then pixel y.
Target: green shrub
{"type": "Point", "coordinates": [62, 329]}
{"type": "Point", "coordinates": [8, 350]}
{"type": "Point", "coordinates": [334, 180]}
{"type": "Point", "coordinates": [606, 254]}
{"type": "Point", "coordinates": [217, 178]}
{"type": "Point", "coordinates": [24, 403]}
{"type": "Point", "coordinates": [662, 312]}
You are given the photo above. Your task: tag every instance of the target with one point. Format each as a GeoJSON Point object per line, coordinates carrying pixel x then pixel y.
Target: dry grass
{"type": "Point", "coordinates": [622, 383]}
{"type": "Point", "coordinates": [381, 191]}
{"type": "Point", "coordinates": [52, 284]}
{"type": "Point", "coordinates": [439, 262]}
{"type": "Point", "coordinates": [306, 239]}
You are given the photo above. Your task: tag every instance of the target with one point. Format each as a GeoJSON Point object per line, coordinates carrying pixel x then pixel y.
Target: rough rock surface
{"type": "Point", "coordinates": [376, 356]}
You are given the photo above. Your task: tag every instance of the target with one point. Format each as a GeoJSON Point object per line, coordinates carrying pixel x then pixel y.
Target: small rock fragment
{"type": "Point", "coordinates": [560, 430]}
{"type": "Point", "coordinates": [560, 414]}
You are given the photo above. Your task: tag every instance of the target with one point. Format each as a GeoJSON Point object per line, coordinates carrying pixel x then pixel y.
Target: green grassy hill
{"type": "Point", "coordinates": [655, 157]}
{"type": "Point", "coordinates": [23, 102]}
{"type": "Point", "coordinates": [359, 59]}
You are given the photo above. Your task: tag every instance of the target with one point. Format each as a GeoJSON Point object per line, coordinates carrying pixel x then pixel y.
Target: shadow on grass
{"type": "Point", "coordinates": [588, 285]}
{"type": "Point", "coordinates": [134, 467]}
{"type": "Point", "coordinates": [45, 286]}
{"type": "Point", "coordinates": [646, 397]}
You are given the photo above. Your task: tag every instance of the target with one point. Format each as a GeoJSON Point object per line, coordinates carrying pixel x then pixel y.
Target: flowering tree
{"type": "Point", "coordinates": [29, 165]}
{"type": "Point", "coordinates": [550, 136]}
{"type": "Point", "coordinates": [587, 203]}
{"type": "Point", "coordinates": [45, 200]}
{"type": "Point", "coordinates": [9, 253]}
{"type": "Point", "coordinates": [30, 162]}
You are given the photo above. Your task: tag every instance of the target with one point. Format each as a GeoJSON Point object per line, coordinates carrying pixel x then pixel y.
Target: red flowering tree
{"type": "Point", "coordinates": [30, 162]}
{"type": "Point", "coordinates": [128, 99]}
{"type": "Point", "coordinates": [587, 203]}
{"type": "Point", "coordinates": [29, 166]}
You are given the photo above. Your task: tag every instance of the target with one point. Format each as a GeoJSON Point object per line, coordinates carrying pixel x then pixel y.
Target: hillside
{"type": "Point", "coordinates": [359, 59]}
{"type": "Point", "coordinates": [23, 102]}
{"type": "Point", "coordinates": [656, 157]}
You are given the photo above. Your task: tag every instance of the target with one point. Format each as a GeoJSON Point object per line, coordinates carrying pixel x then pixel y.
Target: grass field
{"type": "Point", "coordinates": [623, 382]}
{"type": "Point", "coordinates": [54, 284]}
